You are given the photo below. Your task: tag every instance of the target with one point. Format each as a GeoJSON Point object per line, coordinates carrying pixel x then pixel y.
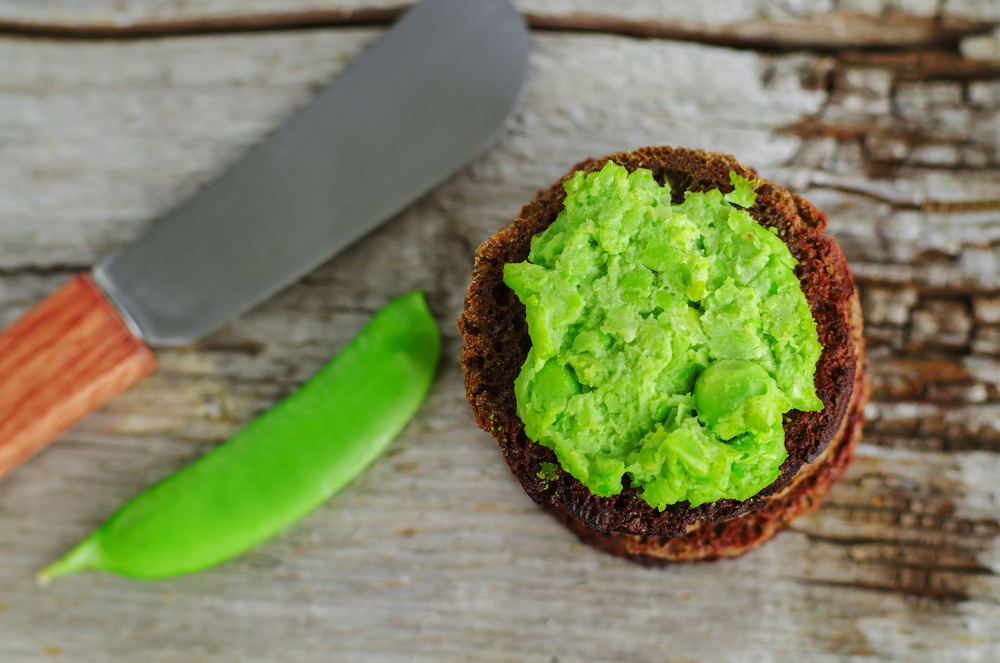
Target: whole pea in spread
{"type": "Point", "coordinates": [667, 340]}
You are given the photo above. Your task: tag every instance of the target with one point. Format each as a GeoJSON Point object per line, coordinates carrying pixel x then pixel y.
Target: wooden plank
{"type": "Point", "coordinates": [208, 116]}
{"type": "Point", "coordinates": [808, 24]}
{"type": "Point", "coordinates": [436, 553]}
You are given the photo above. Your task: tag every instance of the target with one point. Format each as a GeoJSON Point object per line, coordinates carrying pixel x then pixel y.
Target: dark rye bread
{"type": "Point", "coordinates": [497, 342]}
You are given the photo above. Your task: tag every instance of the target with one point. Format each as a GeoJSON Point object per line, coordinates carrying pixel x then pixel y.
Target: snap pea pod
{"type": "Point", "coordinates": [282, 465]}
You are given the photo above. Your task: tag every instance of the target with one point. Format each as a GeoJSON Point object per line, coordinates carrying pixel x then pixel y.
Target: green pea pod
{"type": "Point", "coordinates": [283, 464]}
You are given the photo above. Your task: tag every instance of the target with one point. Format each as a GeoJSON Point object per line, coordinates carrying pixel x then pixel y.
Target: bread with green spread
{"type": "Point", "coordinates": [737, 536]}
{"type": "Point", "coordinates": [610, 461]}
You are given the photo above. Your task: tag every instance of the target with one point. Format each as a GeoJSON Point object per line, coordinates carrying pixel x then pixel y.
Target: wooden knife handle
{"type": "Point", "coordinates": [67, 357]}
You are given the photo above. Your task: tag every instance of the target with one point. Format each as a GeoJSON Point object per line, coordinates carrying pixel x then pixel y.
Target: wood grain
{"type": "Point", "coordinates": [745, 23]}
{"type": "Point", "coordinates": [66, 358]}
{"type": "Point", "coordinates": [435, 553]}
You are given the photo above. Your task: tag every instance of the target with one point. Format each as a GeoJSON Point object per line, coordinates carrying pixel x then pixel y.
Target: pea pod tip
{"type": "Point", "coordinates": [85, 556]}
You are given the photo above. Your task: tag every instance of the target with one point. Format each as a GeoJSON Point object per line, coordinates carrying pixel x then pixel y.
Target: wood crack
{"type": "Point", "coordinates": [944, 595]}
{"type": "Point", "coordinates": [831, 33]}
{"type": "Point", "coordinates": [928, 206]}
{"type": "Point", "coordinates": [271, 22]}
{"type": "Point", "coordinates": [55, 269]}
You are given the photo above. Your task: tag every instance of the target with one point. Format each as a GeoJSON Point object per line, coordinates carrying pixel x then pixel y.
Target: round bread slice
{"type": "Point", "coordinates": [497, 342]}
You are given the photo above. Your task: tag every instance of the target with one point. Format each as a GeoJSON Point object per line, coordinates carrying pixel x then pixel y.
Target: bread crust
{"type": "Point", "coordinates": [496, 342]}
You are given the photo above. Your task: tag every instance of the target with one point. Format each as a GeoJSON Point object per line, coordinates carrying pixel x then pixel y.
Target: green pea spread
{"type": "Point", "coordinates": [667, 340]}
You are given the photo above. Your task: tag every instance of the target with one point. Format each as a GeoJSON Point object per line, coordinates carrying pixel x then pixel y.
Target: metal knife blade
{"type": "Point", "coordinates": [425, 99]}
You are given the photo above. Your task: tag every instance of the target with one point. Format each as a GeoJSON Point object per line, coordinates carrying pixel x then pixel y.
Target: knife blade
{"type": "Point", "coordinates": [414, 108]}
{"type": "Point", "coordinates": [433, 92]}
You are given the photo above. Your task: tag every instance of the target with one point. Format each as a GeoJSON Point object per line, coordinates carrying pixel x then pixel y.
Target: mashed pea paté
{"type": "Point", "coordinates": [667, 340]}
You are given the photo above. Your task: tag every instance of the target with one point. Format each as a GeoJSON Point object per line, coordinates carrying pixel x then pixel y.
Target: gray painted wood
{"type": "Point", "coordinates": [435, 553]}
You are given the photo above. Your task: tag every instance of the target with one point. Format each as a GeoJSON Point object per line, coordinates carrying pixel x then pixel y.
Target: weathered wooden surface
{"type": "Point", "coordinates": [768, 23]}
{"type": "Point", "coordinates": [436, 553]}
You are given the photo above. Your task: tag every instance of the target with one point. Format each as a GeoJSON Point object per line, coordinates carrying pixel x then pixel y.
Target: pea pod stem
{"type": "Point", "coordinates": [282, 465]}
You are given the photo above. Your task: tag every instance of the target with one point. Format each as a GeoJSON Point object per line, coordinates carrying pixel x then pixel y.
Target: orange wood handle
{"type": "Point", "coordinates": [67, 357]}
